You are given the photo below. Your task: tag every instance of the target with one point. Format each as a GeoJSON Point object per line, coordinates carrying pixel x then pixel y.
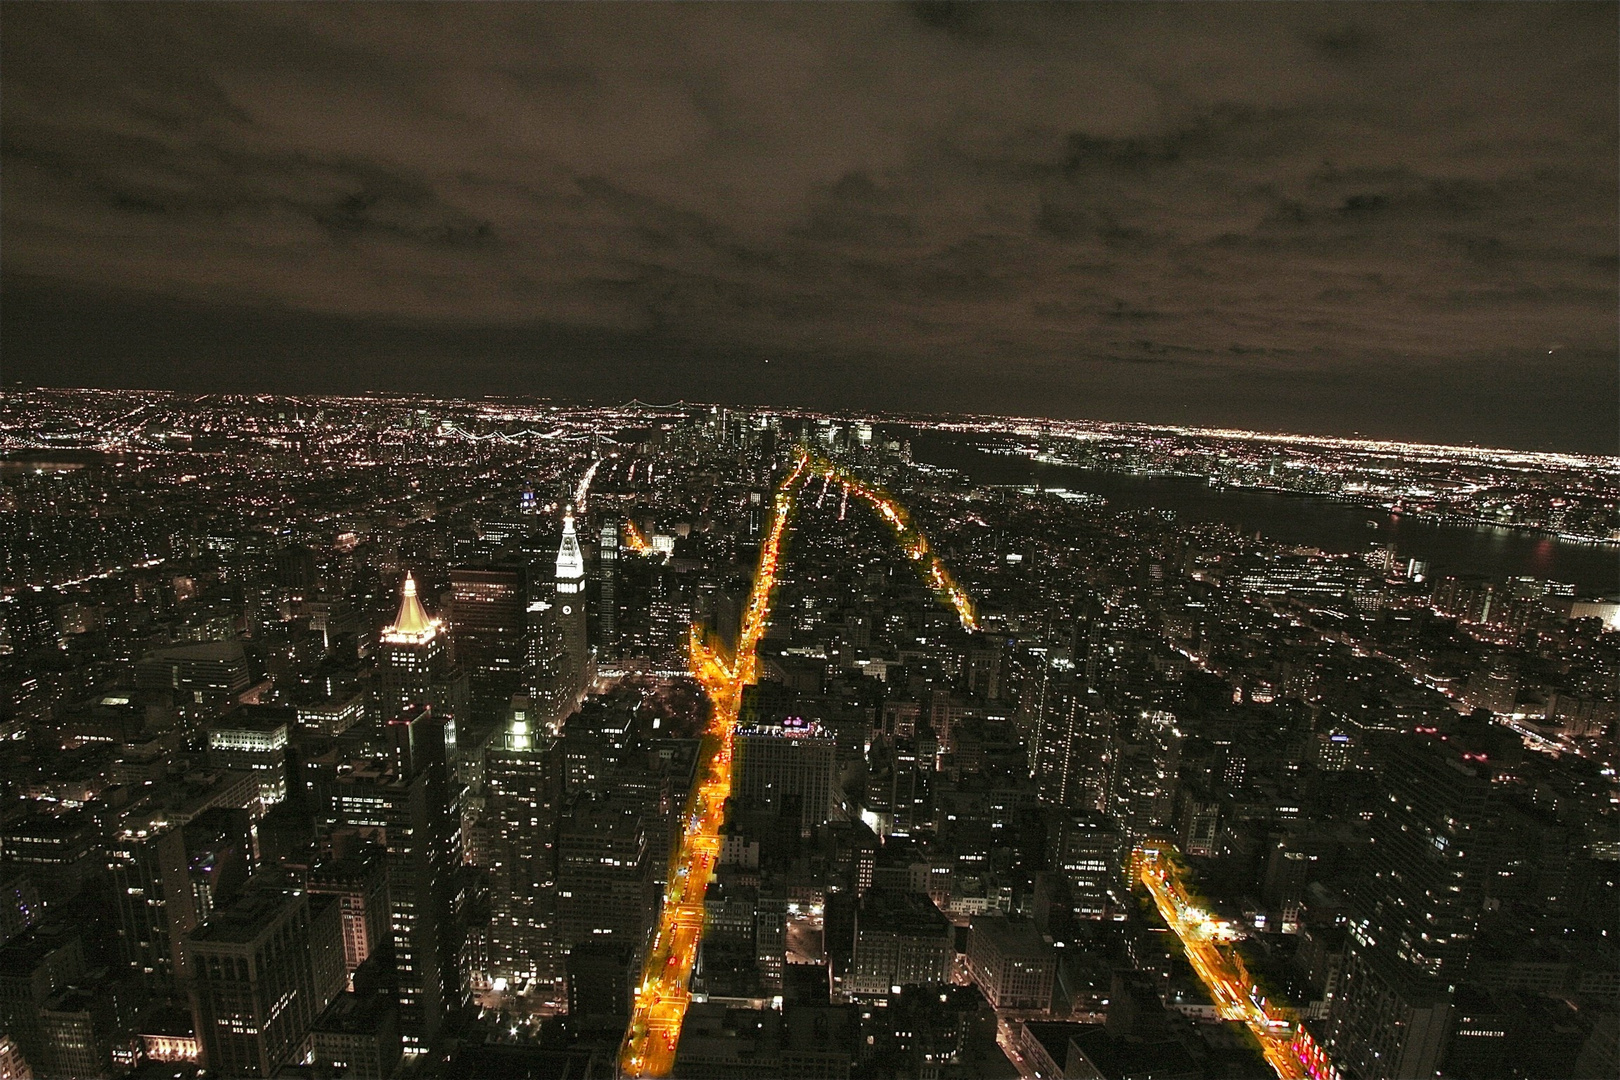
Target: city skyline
{"type": "Point", "coordinates": [1314, 218]}
{"type": "Point", "coordinates": [847, 541]}
{"type": "Point", "coordinates": [429, 737]}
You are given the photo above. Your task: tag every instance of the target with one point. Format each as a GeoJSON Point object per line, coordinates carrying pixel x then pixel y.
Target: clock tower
{"type": "Point", "coordinates": [570, 609]}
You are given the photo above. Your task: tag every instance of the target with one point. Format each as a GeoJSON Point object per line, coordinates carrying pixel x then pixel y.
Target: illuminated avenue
{"type": "Point", "coordinates": [1207, 943]}
{"type": "Point", "coordinates": [661, 999]}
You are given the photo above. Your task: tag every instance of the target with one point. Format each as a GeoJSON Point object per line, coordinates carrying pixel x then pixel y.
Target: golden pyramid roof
{"type": "Point", "coordinates": [411, 619]}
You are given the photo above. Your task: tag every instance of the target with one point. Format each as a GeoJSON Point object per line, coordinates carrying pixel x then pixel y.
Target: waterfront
{"type": "Point", "coordinates": [1330, 524]}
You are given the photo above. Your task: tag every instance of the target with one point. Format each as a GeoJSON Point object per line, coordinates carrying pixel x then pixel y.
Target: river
{"type": "Point", "coordinates": [1329, 524]}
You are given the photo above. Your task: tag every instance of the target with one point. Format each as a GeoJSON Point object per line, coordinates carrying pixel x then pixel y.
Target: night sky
{"type": "Point", "coordinates": [1393, 219]}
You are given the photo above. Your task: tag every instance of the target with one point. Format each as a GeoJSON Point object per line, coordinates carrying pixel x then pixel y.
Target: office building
{"type": "Point", "coordinates": [79, 1024]}
{"type": "Point", "coordinates": [607, 571]}
{"type": "Point", "coordinates": [787, 759]}
{"type": "Point", "coordinates": [331, 716]}
{"type": "Point", "coordinates": [359, 880]}
{"type": "Point", "coordinates": [1012, 965]}
{"type": "Point", "coordinates": [402, 802]}
{"type": "Point", "coordinates": [1085, 849]}
{"type": "Point", "coordinates": [262, 969]}
{"type": "Point", "coordinates": [1415, 912]}
{"type": "Point", "coordinates": [570, 614]}
{"type": "Point", "coordinates": [601, 976]}
{"type": "Point", "coordinates": [546, 671]}
{"type": "Point", "coordinates": [210, 674]}
{"type": "Point", "coordinates": [166, 879]}
{"type": "Point", "coordinates": [523, 785]}
{"type": "Point", "coordinates": [414, 666]}
{"type": "Point", "coordinates": [1142, 778]}
{"type": "Point", "coordinates": [254, 739]}
{"type": "Point", "coordinates": [33, 968]}
{"type": "Point", "coordinates": [146, 864]}
{"type": "Point", "coordinates": [357, 1037]}
{"type": "Point", "coordinates": [219, 857]}
{"type": "Point", "coordinates": [1071, 761]}
{"type": "Point", "coordinates": [605, 888]}
{"type": "Point", "coordinates": [61, 852]}
{"type": "Point", "coordinates": [901, 939]}
{"type": "Point", "coordinates": [489, 616]}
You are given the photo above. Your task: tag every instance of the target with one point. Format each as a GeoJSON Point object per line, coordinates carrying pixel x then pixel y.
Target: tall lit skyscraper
{"type": "Point", "coordinates": [547, 681]}
{"type": "Point", "coordinates": [570, 609]}
{"type": "Point", "coordinates": [1072, 759]}
{"type": "Point", "coordinates": [1414, 915]}
{"type": "Point", "coordinates": [523, 778]}
{"type": "Point", "coordinates": [414, 664]}
{"type": "Point", "coordinates": [607, 570]}
{"type": "Point", "coordinates": [403, 802]}
{"type": "Point", "coordinates": [489, 615]}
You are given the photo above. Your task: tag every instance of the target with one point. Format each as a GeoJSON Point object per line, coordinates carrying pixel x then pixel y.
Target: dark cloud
{"type": "Point", "coordinates": [1380, 217]}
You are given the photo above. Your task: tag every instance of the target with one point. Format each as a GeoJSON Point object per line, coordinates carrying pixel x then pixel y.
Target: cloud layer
{"type": "Point", "coordinates": [1393, 218]}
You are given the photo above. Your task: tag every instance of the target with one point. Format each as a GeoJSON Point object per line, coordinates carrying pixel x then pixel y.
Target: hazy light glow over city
{"type": "Point", "coordinates": [1337, 218]}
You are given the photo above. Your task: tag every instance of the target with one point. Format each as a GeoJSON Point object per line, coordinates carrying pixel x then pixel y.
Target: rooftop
{"type": "Point", "coordinates": [1011, 937]}
{"type": "Point", "coordinates": [247, 918]}
{"type": "Point", "coordinates": [412, 623]}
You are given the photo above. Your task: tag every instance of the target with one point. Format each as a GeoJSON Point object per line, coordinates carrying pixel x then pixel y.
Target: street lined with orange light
{"type": "Point", "coordinates": [662, 996]}
{"type": "Point", "coordinates": [910, 538]}
{"type": "Point", "coordinates": [1208, 943]}
{"type": "Point", "coordinates": [635, 541]}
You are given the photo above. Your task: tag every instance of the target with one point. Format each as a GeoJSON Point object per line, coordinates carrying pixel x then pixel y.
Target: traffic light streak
{"type": "Point", "coordinates": [907, 535]}
{"type": "Point", "coordinates": [635, 541]}
{"type": "Point", "coordinates": [1210, 946]}
{"type": "Point", "coordinates": [662, 996]}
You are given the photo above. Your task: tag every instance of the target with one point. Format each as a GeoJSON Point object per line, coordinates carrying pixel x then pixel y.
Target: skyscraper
{"type": "Point", "coordinates": [360, 882]}
{"type": "Point", "coordinates": [1414, 915]}
{"type": "Point", "coordinates": [1084, 847]}
{"type": "Point", "coordinates": [167, 878]}
{"type": "Point", "coordinates": [147, 865]}
{"type": "Point", "coordinates": [414, 665]}
{"type": "Point", "coordinates": [607, 571]}
{"type": "Point", "coordinates": [489, 614]}
{"type": "Point", "coordinates": [545, 668]}
{"type": "Point", "coordinates": [403, 802]}
{"type": "Point", "coordinates": [790, 758]}
{"type": "Point", "coordinates": [1071, 765]}
{"type": "Point", "coordinates": [523, 782]}
{"type": "Point", "coordinates": [1142, 776]}
{"type": "Point", "coordinates": [262, 971]}
{"type": "Point", "coordinates": [570, 610]}
{"type": "Point", "coordinates": [604, 878]}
